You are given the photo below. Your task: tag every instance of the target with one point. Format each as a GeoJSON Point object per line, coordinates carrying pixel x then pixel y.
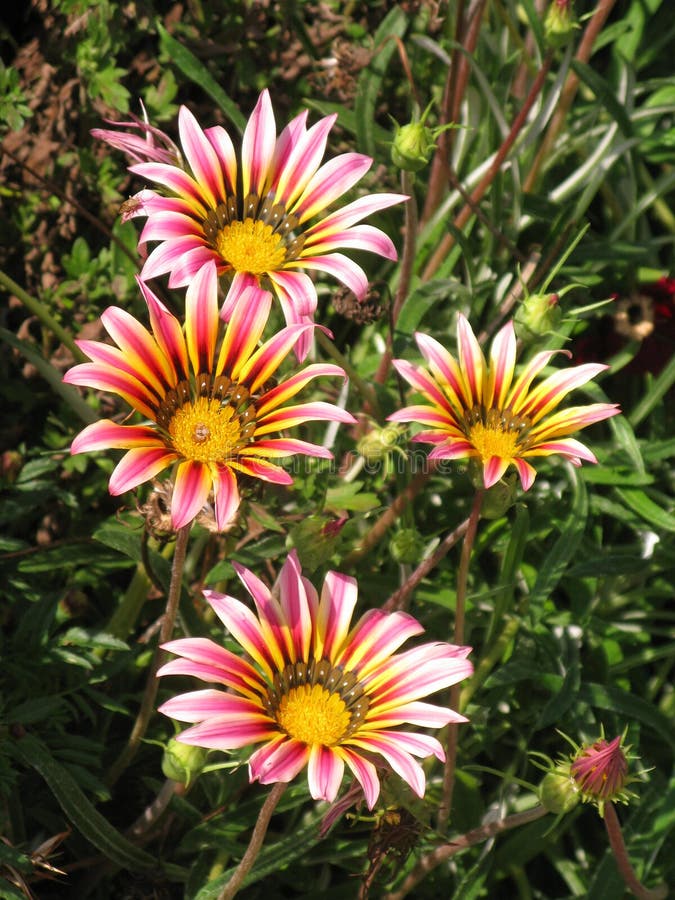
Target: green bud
{"type": "Point", "coordinates": [406, 546]}
{"type": "Point", "coordinates": [315, 538]}
{"type": "Point", "coordinates": [539, 314]}
{"type": "Point", "coordinates": [376, 446]}
{"type": "Point", "coordinates": [557, 792]}
{"type": "Point", "coordinates": [413, 145]}
{"type": "Point", "coordinates": [182, 762]}
{"type": "Point", "coordinates": [499, 498]}
{"type": "Point", "coordinates": [560, 23]}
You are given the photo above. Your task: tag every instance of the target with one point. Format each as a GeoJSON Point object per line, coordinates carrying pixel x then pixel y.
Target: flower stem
{"type": "Point", "coordinates": [256, 842]}
{"type": "Point", "coordinates": [626, 870]}
{"type": "Point", "coordinates": [455, 690]}
{"type": "Point", "coordinates": [389, 516]}
{"type": "Point", "coordinates": [407, 265]}
{"type": "Point", "coordinates": [150, 693]}
{"type": "Point", "coordinates": [366, 391]}
{"type": "Point", "coordinates": [431, 860]}
{"type": "Point", "coordinates": [444, 247]}
{"type": "Point", "coordinates": [399, 598]}
{"type": "Point", "coordinates": [40, 311]}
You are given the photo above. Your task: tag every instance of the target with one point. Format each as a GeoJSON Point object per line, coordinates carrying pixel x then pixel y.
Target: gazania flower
{"type": "Point", "coordinates": [212, 407]}
{"type": "Point", "coordinates": [149, 145]}
{"type": "Point", "coordinates": [252, 218]}
{"type": "Point", "coordinates": [480, 410]}
{"type": "Point", "coordinates": [313, 691]}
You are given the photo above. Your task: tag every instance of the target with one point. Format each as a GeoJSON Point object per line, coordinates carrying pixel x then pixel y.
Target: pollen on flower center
{"type": "Point", "coordinates": [496, 432]}
{"type": "Point", "coordinates": [316, 702]}
{"type": "Point", "coordinates": [205, 431]}
{"type": "Point", "coordinates": [250, 246]}
{"type": "Point", "coordinates": [312, 714]}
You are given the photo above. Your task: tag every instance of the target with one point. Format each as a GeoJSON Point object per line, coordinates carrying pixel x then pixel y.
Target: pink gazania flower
{"type": "Point", "coordinates": [213, 410]}
{"type": "Point", "coordinates": [252, 217]}
{"type": "Point", "coordinates": [600, 771]}
{"type": "Point", "coordinates": [313, 691]}
{"type": "Point", "coordinates": [480, 410]}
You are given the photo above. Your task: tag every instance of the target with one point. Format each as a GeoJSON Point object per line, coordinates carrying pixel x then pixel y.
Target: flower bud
{"type": "Point", "coordinates": [600, 770]}
{"type": "Point", "coordinates": [538, 314]}
{"type": "Point", "coordinates": [406, 546]}
{"type": "Point", "coordinates": [376, 446]}
{"type": "Point", "coordinates": [316, 540]}
{"type": "Point", "coordinates": [412, 147]}
{"type": "Point", "coordinates": [560, 23]}
{"type": "Point", "coordinates": [557, 792]}
{"type": "Point", "coordinates": [182, 762]}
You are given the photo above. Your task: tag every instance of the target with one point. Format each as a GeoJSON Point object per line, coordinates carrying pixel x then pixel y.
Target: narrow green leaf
{"type": "Point", "coordinates": [605, 95]}
{"type": "Point", "coordinates": [370, 80]}
{"type": "Point", "coordinates": [554, 565]}
{"type": "Point", "coordinates": [645, 507]}
{"type": "Point", "coordinates": [197, 72]}
{"type": "Point", "coordinates": [653, 397]}
{"type": "Point", "coordinates": [95, 828]}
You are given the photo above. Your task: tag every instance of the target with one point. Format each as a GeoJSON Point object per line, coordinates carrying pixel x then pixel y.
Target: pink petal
{"type": "Point", "coordinates": [244, 628]}
{"type": "Point", "coordinates": [300, 290]}
{"type": "Point", "coordinates": [198, 705]}
{"type": "Point", "coordinates": [229, 732]}
{"type": "Point", "coordinates": [277, 448]}
{"type": "Point", "coordinates": [375, 637]}
{"type": "Point", "coordinates": [248, 317]}
{"type": "Point", "coordinates": [137, 466]}
{"type": "Point", "coordinates": [302, 161]}
{"type": "Point", "coordinates": [241, 281]}
{"type": "Point", "coordinates": [226, 495]}
{"type": "Point", "coordinates": [168, 333]}
{"type": "Point", "coordinates": [526, 472]}
{"type": "Point", "coordinates": [400, 761]}
{"type": "Point", "coordinates": [278, 761]}
{"type": "Point", "coordinates": [324, 773]}
{"type": "Point", "coordinates": [176, 180]}
{"type": "Point", "coordinates": [222, 144]}
{"type": "Point", "coordinates": [331, 181]}
{"type": "Point", "coordinates": [352, 213]}
{"type": "Point", "coordinates": [190, 492]}
{"type": "Point", "coordinates": [340, 267]}
{"type": "Point", "coordinates": [257, 149]}
{"type": "Point", "coordinates": [471, 359]}
{"type": "Point", "coordinates": [303, 412]}
{"type": "Point", "coordinates": [293, 385]}
{"type": "Point", "coordinates": [260, 468]}
{"type": "Point", "coordinates": [108, 435]}
{"type": "Point", "coordinates": [201, 157]}
{"type": "Point", "coordinates": [365, 773]}
{"type": "Point", "coordinates": [201, 318]}
{"type": "Point", "coordinates": [205, 659]}
{"type": "Point", "coordinates": [293, 600]}
{"type": "Point", "coordinates": [360, 237]}
{"type": "Point", "coordinates": [502, 364]}
{"type": "Point", "coordinates": [445, 371]}
{"type": "Point", "coordinates": [336, 608]}
{"type": "Point", "coordinates": [493, 469]}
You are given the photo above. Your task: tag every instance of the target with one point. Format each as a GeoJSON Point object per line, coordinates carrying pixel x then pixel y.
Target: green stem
{"type": "Point", "coordinates": [256, 842]}
{"type": "Point", "coordinates": [42, 313]}
{"type": "Point", "coordinates": [626, 870]}
{"type": "Point", "coordinates": [455, 690]}
{"type": "Point", "coordinates": [399, 598]}
{"type": "Point", "coordinates": [432, 860]}
{"type": "Point", "coordinates": [166, 631]}
{"type": "Point", "coordinates": [366, 391]}
{"type": "Point", "coordinates": [407, 266]}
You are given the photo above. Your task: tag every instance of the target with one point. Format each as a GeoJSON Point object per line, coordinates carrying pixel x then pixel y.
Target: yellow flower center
{"type": "Point", "coordinates": [316, 702]}
{"type": "Point", "coordinates": [250, 246]}
{"type": "Point", "coordinates": [496, 432]}
{"type": "Point", "coordinates": [205, 431]}
{"type": "Point", "coordinates": [312, 714]}
{"type": "Point", "coordinates": [208, 421]}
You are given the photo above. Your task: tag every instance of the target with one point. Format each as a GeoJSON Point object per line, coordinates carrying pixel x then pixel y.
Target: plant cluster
{"type": "Point", "coordinates": [303, 383]}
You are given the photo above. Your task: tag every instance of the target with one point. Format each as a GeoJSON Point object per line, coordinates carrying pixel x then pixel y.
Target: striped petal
{"type": "Point", "coordinates": [280, 760]}
{"type": "Point", "coordinates": [138, 466]}
{"type": "Point", "coordinates": [339, 266]}
{"type": "Point", "coordinates": [471, 359]}
{"type": "Point", "coordinates": [257, 149]}
{"type": "Point", "coordinates": [502, 364]}
{"type": "Point", "coordinates": [201, 157]}
{"type": "Point", "coordinates": [108, 435]}
{"type": "Point", "coordinates": [364, 772]}
{"type": "Point", "coordinates": [201, 318]}
{"type": "Point", "coordinates": [229, 732]}
{"type": "Point", "coordinates": [332, 180]}
{"type": "Point", "coordinates": [325, 769]}
{"type": "Point", "coordinates": [226, 495]}
{"type": "Point", "coordinates": [336, 608]}
{"type": "Point", "coordinates": [248, 317]}
{"type": "Point", "coordinates": [191, 490]}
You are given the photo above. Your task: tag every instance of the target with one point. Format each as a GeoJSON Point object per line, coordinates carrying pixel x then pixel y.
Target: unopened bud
{"type": "Point", "coordinates": [539, 314]}
{"type": "Point", "coordinates": [499, 498]}
{"type": "Point", "coordinates": [406, 546]}
{"type": "Point", "coordinates": [560, 23]}
{"type": "Point", "coordinates": [376, 446]}
{"type": "Point", "coordinates": [183, 762]}
{"type": "Point", "coordinates": [557, 792]}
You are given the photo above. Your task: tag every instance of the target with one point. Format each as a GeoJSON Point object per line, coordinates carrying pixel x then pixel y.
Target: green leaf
{"type": "Point", "coordinates": [645, 507]}
{"type": "Point", "coordinates": [653, 397]}
{"type": "Point", "coordinates": [555, 563]}
{"type": "Point", "coordinates": [80, 812]}
{"type": "Point", "coordinates": [605, 95]}
{"type": "Point", "coordinates": [195, 70]}
{"type": "Point", "coordinates": [370, 80]}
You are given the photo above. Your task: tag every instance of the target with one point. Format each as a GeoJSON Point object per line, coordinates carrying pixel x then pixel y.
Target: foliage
{"type": "Point", "coordinates": [570, 583]}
